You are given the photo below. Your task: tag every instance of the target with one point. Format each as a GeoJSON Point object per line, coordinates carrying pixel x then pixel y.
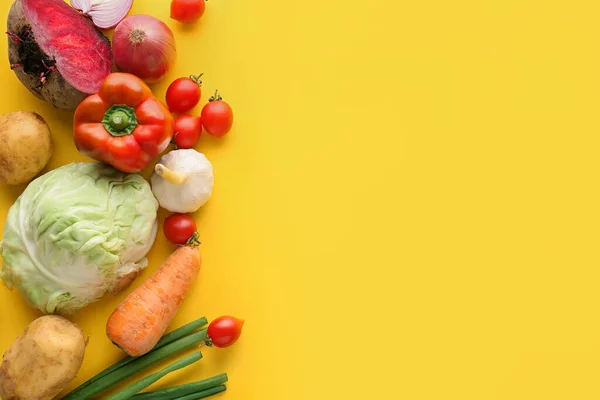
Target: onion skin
{"type": "Point", "coordinates": [144, 46]}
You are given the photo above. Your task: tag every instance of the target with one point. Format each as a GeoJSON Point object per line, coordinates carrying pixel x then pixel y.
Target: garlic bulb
{"type": "Point", "coordinates": [183, 181]}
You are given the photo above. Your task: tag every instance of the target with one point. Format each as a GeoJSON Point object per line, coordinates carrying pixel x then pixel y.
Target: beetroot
{"type": "Point", "coordinates": [56, 52]}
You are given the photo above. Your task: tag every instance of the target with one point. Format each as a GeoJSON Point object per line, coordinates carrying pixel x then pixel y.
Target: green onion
{"type": "Point", "coordinates": [137, 365]}
{"type": "Point", "coordinates": [181, 332]}
{"type": "Point", "coordinates": [177, 391]}
{"type": "Point", "coordinates": [204, 393]}
{"type": "Point", "coordinates": [150, 379]}
{"type": "Point", "coordinates": [166, 339]}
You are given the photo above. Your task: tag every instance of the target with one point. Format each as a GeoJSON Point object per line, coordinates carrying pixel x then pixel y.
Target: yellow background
{"type": "Point", "coordinates": [407, 207]}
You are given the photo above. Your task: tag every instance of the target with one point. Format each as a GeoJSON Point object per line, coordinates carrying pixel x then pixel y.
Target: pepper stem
{"type": "Point", "coordinates": [120, 120]}
{"type": "Point", "coordinates": [170, 176]}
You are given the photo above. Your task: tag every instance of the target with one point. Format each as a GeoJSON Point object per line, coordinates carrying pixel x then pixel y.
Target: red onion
{"type": "Point", "coordinates": [105, 14]}
{"type": "Point", "coordinates": [144, 46]}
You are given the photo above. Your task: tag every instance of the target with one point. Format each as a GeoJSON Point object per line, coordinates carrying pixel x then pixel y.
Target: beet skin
{"type": "Point", "coordinates": [56, 52]}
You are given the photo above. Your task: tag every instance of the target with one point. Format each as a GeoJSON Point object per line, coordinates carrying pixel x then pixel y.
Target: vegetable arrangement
{"type": "Point", "coordinates": [82, 231]}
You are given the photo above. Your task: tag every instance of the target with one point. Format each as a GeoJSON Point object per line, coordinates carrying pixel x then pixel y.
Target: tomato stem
{"type": "Point", "coordinates": [196, 79]}
{"type": "Point", "coordinates": [217, 96]}
{"type": "Point", "coordinates": [194, 241]}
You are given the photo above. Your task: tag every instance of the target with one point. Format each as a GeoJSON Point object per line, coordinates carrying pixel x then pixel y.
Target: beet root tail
{"type": "Point", "coordinates": [15, 37]}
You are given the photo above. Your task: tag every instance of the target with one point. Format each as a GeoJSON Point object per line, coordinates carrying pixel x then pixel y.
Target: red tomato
{"type": "Point", "coordinates": [184, 94]}
{"type": "Point", "coordinates": [187, 11]}
{"type": "Point", "coordinates": [217, 116]}
{"type": "Point", "coordinates": [225, 331]}
{"type": "Point", "coordinates": [188, 130]}
{"type": "Point", "coordinates": [179, 228]}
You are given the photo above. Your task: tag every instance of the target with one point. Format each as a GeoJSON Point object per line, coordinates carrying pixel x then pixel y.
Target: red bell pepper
{"type": "Point", "coordinates": [123, 125]}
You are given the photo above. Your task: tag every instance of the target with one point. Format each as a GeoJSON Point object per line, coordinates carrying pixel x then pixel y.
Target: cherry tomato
{"type": "Point", "coordinates": [217, 116]}
{"type": "Point", "coordinates": [184, 94]}
{"type": "Point", "coordinates": [225, 331]}
{"type": "Point", "coordinates": [188, 129]}
{"type": "Point", "coordinates": [187, 11]}
{"type": "Point", "coordinates": [179, 228]}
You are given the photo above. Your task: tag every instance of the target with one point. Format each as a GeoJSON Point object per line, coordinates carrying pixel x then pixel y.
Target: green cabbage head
{"type": "Point", "coordinates": [76, 234]}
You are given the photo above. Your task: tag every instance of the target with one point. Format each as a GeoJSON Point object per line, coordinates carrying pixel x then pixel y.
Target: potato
{"type": "Point", "coordinates": [25, 146]}
{"type": "Point", "coordinates": [43, 360]}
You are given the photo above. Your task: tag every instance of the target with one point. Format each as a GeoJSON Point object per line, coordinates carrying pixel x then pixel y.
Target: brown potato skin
{"type": "Point", "coordinates": [56, 90]}
{"type": "Point", "coordinates": [25, 146]}
{"type": "Point", "coordinates": [43, 360]}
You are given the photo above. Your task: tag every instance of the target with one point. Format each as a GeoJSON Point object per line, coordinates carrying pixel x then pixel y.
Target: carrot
{"type": "Point", "coordinates": [138, 323]}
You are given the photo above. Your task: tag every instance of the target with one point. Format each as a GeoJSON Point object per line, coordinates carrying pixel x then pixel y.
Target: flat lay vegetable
{"type": "Point", "coordinates": [149, 380]}
{"type": "Point", "coordinates": [142, 318]}
{"type": "Point", "coordinates": [224, 331]}
{"type": "Point", "coordinates": [26, 146]}
{"type": "Point", "coordinates": [56, 52]}
{"type": "Point", "coordinates": [183, 94]}
{"type": "Point", "coordinates": [187, 11]}
{"type": "Point", "coordinates": [170, 337]}
{"type": "Point", "coordinates": [43, 360]}
{"type": "Point", "coordinates": [188, 129]}
{"type": "Point", "coordinates": [105, 14]}
{"type": "Point", "coordinates": [138, 364]}
{"type": "Point", "coordinates": [82, 231]}
{"type": "Point", "coordinates": [144, 46]}
{"type": "Point", "coordinates": [61, 248]}
{"type": "Point", "coordinates": [183, 181]}
{"type": "Point", "coordinates": [123, 125]}
{"type": "Point", "coordinates": [179, 228]}
{"type": "Point", "coordinates": [176, 392]}
{"type": "Point", "coordinates": [217, 116]}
